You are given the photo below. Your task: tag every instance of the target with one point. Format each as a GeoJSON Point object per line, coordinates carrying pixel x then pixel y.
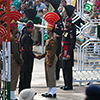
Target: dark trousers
{"type": "Point", "coordinates": [58, 68]}
{"type": "Point", "coordinates": [25, 80]}
{"type": "Point", "coordinates": [58, 64]}
{"type": "Point", "coordinates": [67, 75]}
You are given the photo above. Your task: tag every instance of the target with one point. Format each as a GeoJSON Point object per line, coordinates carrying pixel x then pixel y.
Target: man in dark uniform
{"type": "Point", "coordinates": [67, 56]}
{"type": "Point", "coordinates": [60, 26]}
{"type": "Point", "coordinates": [67, 46]}
{"type": "Point", "coordinates": [28, 57]}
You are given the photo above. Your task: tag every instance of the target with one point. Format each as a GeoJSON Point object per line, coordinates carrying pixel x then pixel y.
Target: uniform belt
{"type": "Point", "coordinates": [65, 43]}
{"type": "Point", "coordinates": [23, 49]}
{"type": "Point", "coordinates": [57, 36]}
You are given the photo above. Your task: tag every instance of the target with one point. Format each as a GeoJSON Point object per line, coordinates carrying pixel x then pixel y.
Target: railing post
{"type": "Point", "coordinates": [69, 2]}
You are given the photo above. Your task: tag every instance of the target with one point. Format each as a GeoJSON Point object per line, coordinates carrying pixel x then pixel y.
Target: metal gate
{"type": "Point", "coordinates": [87, 52]}
{"type": "Point", "coordinates": [5, 52]}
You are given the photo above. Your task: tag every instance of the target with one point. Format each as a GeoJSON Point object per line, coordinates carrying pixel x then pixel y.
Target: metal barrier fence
{"type": "Point", "coordinates": [5, 53]}
{"type": "Point", "coordinates": [87, 54]}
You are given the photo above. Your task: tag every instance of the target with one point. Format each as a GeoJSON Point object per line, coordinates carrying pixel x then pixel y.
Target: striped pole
{"type": "Point", "coordinates": [8, 45]}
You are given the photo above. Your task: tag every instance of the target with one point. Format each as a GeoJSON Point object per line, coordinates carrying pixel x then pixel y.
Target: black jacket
{"type": "Point", "coordinates": [27, 53]}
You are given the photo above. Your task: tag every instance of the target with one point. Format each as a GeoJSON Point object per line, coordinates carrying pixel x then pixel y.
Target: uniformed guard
{"type": "Point", "coordinates": [50, 55]}
{"type": "Point", "coordinates": [16, 60]}
{"type": "Point", "coordinates": [67, 46]}
{"type": "Point", "coordinates": [27, 53]}
{"type": "Point", "coordinates": [60, 26]}
{"type": "Point", "coordinates": [28, 57]}
{"type": "Point", "coordinates": [67, 54]}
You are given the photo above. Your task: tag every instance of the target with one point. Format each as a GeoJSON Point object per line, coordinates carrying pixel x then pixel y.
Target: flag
{"type": "Point", "coordinates": [88, 6]}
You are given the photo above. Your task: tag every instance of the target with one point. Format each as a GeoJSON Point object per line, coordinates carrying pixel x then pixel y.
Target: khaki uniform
{"type": "Point", "coordinates": [16, 62]}
{"type": "Point", "coordinates": [50, 58]}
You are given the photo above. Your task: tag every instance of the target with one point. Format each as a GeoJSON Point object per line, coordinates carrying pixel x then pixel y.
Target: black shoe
{"type": "Point", "coordinates": [66, 88]}
{"type": "Point", "coordinates": [44, 95]}
{"type": "Point", "coordinates": [35, 93]}
{"type": "Point", "coordinates": [49, 95]}
{"type": "Point", "coordinates": [57, 78]}
{"type": "Point", "coordinates": [62, 87]}
{"type": "Point", "coordinates": [35, 43]}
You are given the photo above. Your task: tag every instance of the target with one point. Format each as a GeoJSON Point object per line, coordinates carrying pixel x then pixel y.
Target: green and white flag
{"type": "Point", "coordinates": [88, 6]}
{"type": "Point", "coordinates": [45, 36]}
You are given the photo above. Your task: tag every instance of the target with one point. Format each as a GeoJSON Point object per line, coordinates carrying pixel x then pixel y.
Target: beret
{"type": "Point", "coordinates": [93, 92]}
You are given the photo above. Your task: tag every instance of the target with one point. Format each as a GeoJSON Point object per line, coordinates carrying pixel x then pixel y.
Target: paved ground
{"type": "Point", "coordinates": [39, 85]}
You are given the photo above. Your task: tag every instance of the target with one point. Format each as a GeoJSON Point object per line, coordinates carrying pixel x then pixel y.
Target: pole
{"type": "Point", "coordinates": [69, 2]}
{"type": "Point", "coordinates": [8, 44]}
{"type": "Point", "coordinates": [42, 41]}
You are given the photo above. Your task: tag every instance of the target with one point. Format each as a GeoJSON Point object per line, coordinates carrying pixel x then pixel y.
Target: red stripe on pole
{"type": "Point", "coordinates": [8, 20]}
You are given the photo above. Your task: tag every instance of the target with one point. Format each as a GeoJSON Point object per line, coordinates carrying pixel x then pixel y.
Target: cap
{"type": "Point", "coordinates": [70, 10]}
{"type": "Point", "coordinates": [55, 3]}
{"type": "Point", "coordinates": [30, 24]}
{"type": "Point", "coordinates": [13, 25]}
{"type": "Point", "coordinates": [93, 92]}
{"type": "Point", "coordinates": [30, 13]}
{"type": "Point", "coordinates": [68, 20]}
{"type": "Point", "coordinates": [51, 18]}
{"type": "Point", "coordinates": [14, 15]}
{"type": "Point", "coordinates": [27, 94]}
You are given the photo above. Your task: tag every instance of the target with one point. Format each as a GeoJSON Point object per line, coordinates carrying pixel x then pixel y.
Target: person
{"type": "Point", "coordinates": [39, 6]}
{"type": "Point", "coordinates": [62, 5]}
{"type": "Point", "coordinates": [35, 33]}
{"type": "Point", "coordinates": [50, 56]}
{"type": "Point", "coordinates": [28, 57]}
{"type": "Point", "coordinates": [44, 22]}
{"type": "Point", "coordinates": [58, 38]}
{"type": "Point", "coordinates": [94, 12]}
{"type": "Point", "coordinates": [49, 6]}
{"type": "Point", "coordinates": [16, 60]}
{"type": "Point", "coordinates": [67, 45]}
{"type": "Point", "coordinates": [60, 26]}
{"type": "Point", "coordinates": [13, 8]}
{"type": "Point", "coordinates": [92, 92]}
{"type": "Point", "coordinates": [16, 3]}
{"type": "Point", "coordinates": [22, 8]}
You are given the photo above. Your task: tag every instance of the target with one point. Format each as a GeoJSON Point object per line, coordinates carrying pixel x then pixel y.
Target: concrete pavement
{"type": "Point", "coordinates": [39, 85]}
